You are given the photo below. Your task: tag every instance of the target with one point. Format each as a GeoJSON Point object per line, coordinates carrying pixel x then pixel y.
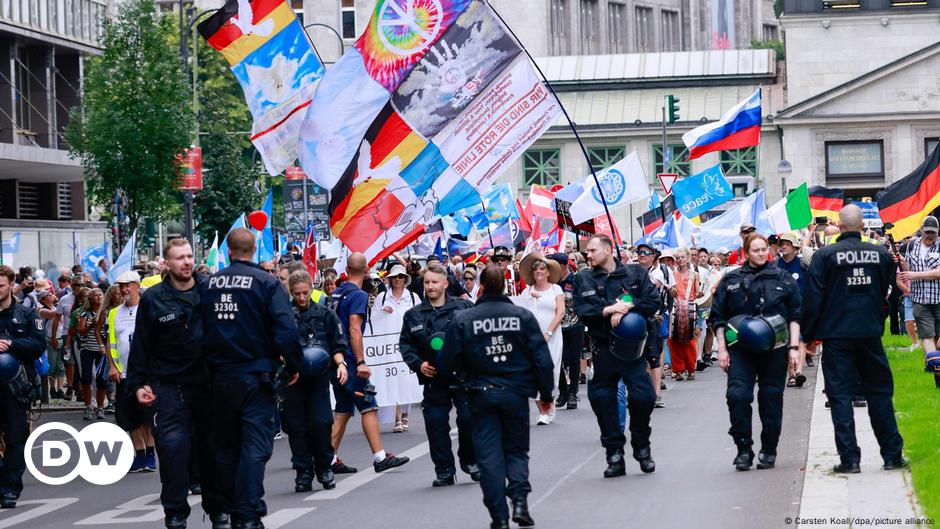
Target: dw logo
{"type": "Point", "coordinates": [103, 456]}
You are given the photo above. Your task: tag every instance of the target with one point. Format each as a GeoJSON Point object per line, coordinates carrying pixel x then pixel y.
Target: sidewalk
{"type": "Point", "coordinates": [874, 498]}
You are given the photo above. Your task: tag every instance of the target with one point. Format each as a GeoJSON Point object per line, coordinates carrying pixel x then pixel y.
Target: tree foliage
{"type": "Point", "coordinates": [135, 118]}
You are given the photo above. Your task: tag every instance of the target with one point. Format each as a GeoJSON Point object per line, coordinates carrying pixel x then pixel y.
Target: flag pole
{"type": "Point", "coordinates": [571, 124]}
{"type": "Point", "coordinates": [488, 232]}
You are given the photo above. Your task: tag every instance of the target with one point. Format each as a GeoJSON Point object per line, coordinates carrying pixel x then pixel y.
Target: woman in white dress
{"type": "Point", "coordinates": [546, 300]}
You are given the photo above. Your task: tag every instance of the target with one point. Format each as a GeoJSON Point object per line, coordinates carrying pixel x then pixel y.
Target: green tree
{"type": "Point", "coordinates": [135, 118]}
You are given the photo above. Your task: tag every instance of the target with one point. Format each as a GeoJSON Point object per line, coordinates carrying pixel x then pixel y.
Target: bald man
{"type": "Point", "coordinates": [843, 307]}
{"type": "Point", "coordinates": [350, 303]}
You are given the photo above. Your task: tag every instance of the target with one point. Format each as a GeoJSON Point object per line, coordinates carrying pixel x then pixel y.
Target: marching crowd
{"type": "Point", "coordinates": [153, 340]}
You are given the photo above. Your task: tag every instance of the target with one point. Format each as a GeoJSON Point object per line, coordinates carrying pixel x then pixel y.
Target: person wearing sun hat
{"type": "Point", "coordinates": [572, 339]}
{"type": "Point", "coordinates": [545, 299]}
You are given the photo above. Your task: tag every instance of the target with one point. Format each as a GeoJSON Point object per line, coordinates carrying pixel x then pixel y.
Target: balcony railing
{"type": "Point", "coordinates": [76, 20]}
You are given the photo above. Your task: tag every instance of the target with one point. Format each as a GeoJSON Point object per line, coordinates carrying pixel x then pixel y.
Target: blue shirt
{"type": "Point", "coordinates": [794, 267]}
{"type": "Point", "coordinates": [346, 300]}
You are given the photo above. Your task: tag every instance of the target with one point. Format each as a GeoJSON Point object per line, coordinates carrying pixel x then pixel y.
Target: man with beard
{"type": "Point", "coordinates": [166, 370]}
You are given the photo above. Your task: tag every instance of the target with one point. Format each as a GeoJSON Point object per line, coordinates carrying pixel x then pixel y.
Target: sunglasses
{"type": "Point", "coordinates": [468, 278]}
{"type": "Point", "coordinates": [644, 252]}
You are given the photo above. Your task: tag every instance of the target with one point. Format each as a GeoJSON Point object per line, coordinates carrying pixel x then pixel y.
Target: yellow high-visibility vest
{"type": "Point", "coordinates": [112, 339]}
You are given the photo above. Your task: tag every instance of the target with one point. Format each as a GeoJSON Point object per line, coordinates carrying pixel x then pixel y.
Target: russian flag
{"type": "Point", "coordinates": [738, 128]}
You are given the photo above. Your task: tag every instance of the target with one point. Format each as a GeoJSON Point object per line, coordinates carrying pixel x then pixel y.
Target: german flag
{"type": "Point", "coordinates": [651, 220]}
{"type": "Point", "coordinates": [906, 202]}
{"type": "Point", "coordinates": [237, 38]}
{"type": "Point", "coordinates": [825, 202]}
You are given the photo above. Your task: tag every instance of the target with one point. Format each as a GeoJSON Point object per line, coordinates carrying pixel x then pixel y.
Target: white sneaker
{"type": "Point", "coordinates": [543, 420]}
{"type": "Point", "coordinates": [590, 372]}
{"type": "Point", "coordinates": [551, 415]}
{"type": "Point", "coordinates": [913, 347]}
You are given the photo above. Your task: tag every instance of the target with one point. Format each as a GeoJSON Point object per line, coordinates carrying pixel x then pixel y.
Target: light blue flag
{"type": "Point", "coordinates": [654, 201]}
{"type": "Point", "coordinates": [265, 241]}
{"type": "Point", "coordinates": [500, 204]}
{"type": "Point", "coordinates": [665, 235]}
{"type": "Point", "coordinates": [223, 248]}
{"type": "Point", "coordinates": [722, 232]}
{"type": "Point", "coordinates": [282, 244]}
{"type": "Point", "coordinates": [701, 192]}
{"type": "Point", "coordinates": [125, 261]}
{"type": "Point", "coordinates": [91, 256]}
{"type": "Point", "coordinates": [12, 245]}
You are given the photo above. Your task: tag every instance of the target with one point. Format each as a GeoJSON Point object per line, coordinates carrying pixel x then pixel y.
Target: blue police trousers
{"type": "Point", "coordinates": [182, 432]}
{"type": "Point", "coordinates": [15, 426]}
{"type": "Point", "coordinates": [846, 361]}
{"type": "Point", "coordinates": [500, 419]}
{"type": "Point", "coordinates": [244, 409]}
{"type": "Point", "coordinates": [770, 373]}
{"type": "Point", "coordinates": [438, 398]}
{"type": "Point", "coordinates": [308, 421]}
{"type": "Point", "coordinates": [602, 392]}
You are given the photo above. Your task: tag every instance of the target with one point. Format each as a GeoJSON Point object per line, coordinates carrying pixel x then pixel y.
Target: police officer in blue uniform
{"type": "Point", "coordinates": [748, 302]}
{"type": "Point", "coordinates": [844, 298]}
{"type": "Point", "coordinates": [248, 322]}
{"type": "Point", "coordinates": [420, 343]}
{"type": "Point", "coordinates": [500, 356]}
{"type": "Point", "coordinates": [599, 300]}
{"type": "Point", "coordinates": [22, 341]}
{"type": "Point", "coordinates": [305, 410]}
{"type": "Point", "coordinates": [166, 369]}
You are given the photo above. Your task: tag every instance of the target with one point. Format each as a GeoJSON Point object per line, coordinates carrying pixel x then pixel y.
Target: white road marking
{"type": "Point", "coordinates": [564, 478]}
{"type": "Point", "coordinates": [284, 516]}
{"type": "Point", "coordinates": [47, 506]}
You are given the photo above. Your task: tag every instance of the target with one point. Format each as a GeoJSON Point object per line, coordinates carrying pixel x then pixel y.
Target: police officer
{"type": "Point", "coordinates": [599, 301]}
{"type": "Point", "coordinates": [247, 323]}
{"type": "Point", "coordinates": [22, 341]}
{"type": "Point", "coordinates": [166, 370]}
{"type": "Point", "coordinates": [846, 287]}
{"type": "Point", "coordinates": [305, 410]}
{"type": "Point", "coordinates": [420, 343]}
{"type": "Point", "coordinates": [765, 295]}
{"type": "Point", "coordinates": [498, 352]}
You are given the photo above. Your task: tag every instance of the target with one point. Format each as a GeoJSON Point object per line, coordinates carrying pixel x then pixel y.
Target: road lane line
{"type": "Point", "coordinates": [364, 476]}
{"type": "Point", "coordinates": [283, 517]}
{"type": "Point", "coordinates": [564, 478]}
{"type": "Point", "coordinates": [46, 506]}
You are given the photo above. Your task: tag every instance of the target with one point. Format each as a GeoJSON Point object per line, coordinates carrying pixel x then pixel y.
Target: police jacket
{"type": "Point", "coordinates": [247, 321]}
{"type": "Point", "coordinates": [595, 289]}
{"type": "Point", "coordinates": [23, 326]}
{"type": "Point", "coordinates": [167, 343]}
{"type": "Point", "coordinates": [318, 324]}
{"type": "Point", "coordinates": [750, 291]}
{"type": "Point", "coordinates": [421, 322]}
{"type": "Point", "coordinates": [845, 289]}
{"type": "Point", "coordinates": [499, 344]}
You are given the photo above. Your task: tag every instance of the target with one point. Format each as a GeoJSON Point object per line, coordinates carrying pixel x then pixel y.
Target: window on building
{"type": "Point", "coordinates": [643, 24]}
{"type": "Point", "coordinates": [929, 145]}
{"type": "Point", "coordinates": [34, 13]}
{"type": "Point", "coordinates": [617, 27]}
{"type": "Point", "coordinates": [672, 32]}
{"type": "Point", "coordinates": [853, 159]}
{"type": "Point", "coordinates": [603, 157]}
{"type": "Point", "coordinates": [542, 167]}
{"type": "Point", "coordinates": [770, 32]}
{"type": "Point", "coordinates": [561, 35]}
{"type": "Point", "coordinates": [349, 19]}
{"type": "Point", "coordinates": [679, 162]}
{"type": "Point", "coordinates": [590, 27]}
{"type": "Point", "coordinates": [54, 15]}
{"type": "Point", "coordinates": [739, 162]}
{"type": "Point", "coordinates": [5, 9]}
{"type": "Point", "coordinates": [739, 190]}
{"type": "Point", "coordinates": [21, 94]}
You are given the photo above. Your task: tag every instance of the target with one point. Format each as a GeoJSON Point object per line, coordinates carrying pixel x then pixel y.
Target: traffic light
{"type": "Point", "coordinates": [672, 108]}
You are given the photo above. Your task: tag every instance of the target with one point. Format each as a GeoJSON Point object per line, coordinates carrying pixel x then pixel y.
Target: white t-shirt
{"type": "Point", "coordinates": [64, 310]}
{"type": "Point", "coordinates": [124, 323]}
{"type": "Point", "coordinates": [656, 275]}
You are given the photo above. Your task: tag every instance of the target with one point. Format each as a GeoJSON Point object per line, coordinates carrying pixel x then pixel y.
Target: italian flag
{"type": "Point", "coordinates": [792, 212]}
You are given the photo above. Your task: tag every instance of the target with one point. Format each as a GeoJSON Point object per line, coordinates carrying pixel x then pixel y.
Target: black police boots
{"type": "Point", "coordinates": [7, 500]}
{"type": "Point", "coordinates": [520, 512]}
{"type": "Point", "coordinates": [647, 465]}
{"type": "Point", "coordinates": [247, 524]}
{"type": "Point", "coordinates": [744, 459]}
{"type": "Point", "coordinates": [900, 462]}
{"type": "Point", "coordinates": [562, 401]}
{"type": "Point", "coordinates": [220, 521]}
{"type": "Point", "coordinates": [195, 488]}
{"type": "Point", "coordinates": [615, 465]}
{"type": "Point", "coordinates": [304, 481]}
{"type": "Point", "coordinates": [327, 479]}
{"type": "Point", "coordinates": [175, 521]}
{"type": "Point", "coordinates": [499, 524]}
{"type": "Point", "coordinates": [766, 460]}
{"type": "Point", "coordinates": [847, 467]}
{"type": "Point", "coordinates": [473, 469]}
{"type": "Point", "coordinates": [444, 480]}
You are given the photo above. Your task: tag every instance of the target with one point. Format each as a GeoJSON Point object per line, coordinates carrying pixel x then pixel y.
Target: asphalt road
{"type": "Point", "coordinates": [694, 484]}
